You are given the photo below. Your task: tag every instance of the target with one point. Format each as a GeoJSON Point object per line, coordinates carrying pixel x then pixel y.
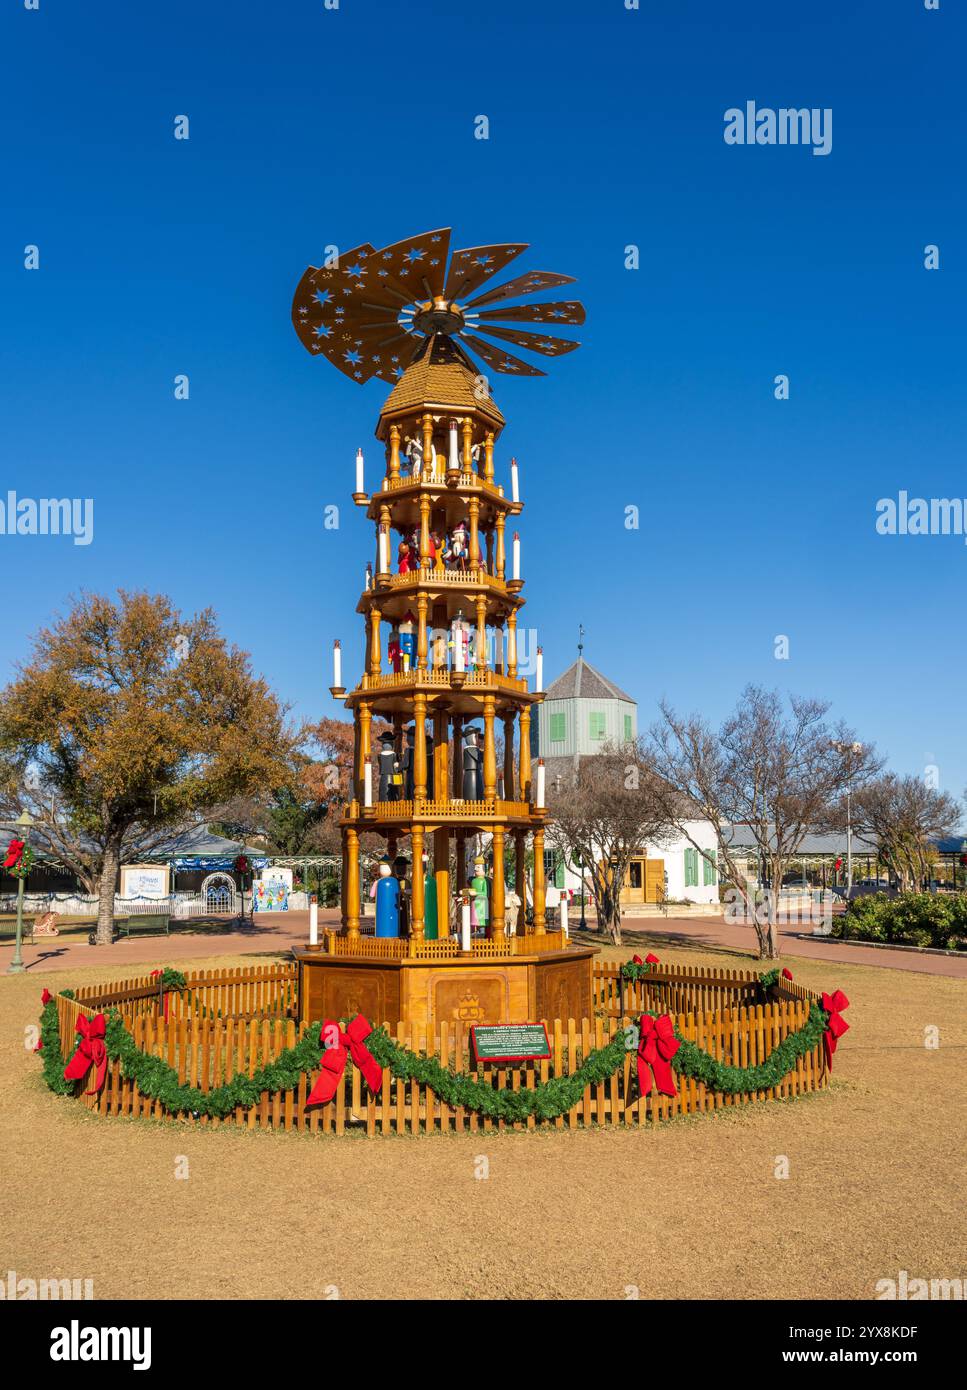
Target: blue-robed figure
{"type": "Point", "coordinates": [387, 901]}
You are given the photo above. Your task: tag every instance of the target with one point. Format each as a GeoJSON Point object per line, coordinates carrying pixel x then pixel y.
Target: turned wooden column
{"type": "Point", "coordinates": [474, 510]}
{"type": "Point", "coordinates": [394, 451]}
{"type": "Point", "coordinates": [365, 745]}
{"type": "Point", "coordinates": [481, 661]}
{"type": "Point", "coordinates": [512, 643]}
{"type": "Point", "coordinates": [509, 757]}
{"type": "Point", "coordinates": [427, 445]}
{"type": "Point", "coordinates": [421, 644]}
{"type": "Point", "coordinates": [497, 893]}
{"type": "Point", "coordinates": [489, 750]}
{"type": "Point", "coordinates": [489, 456]}
{"type": "Point", "coordinates": [351, 871]}
{"type": "Point", "coordinates": [467, 446]}
{"type": "Point", "coordinates": [524, 753]}
{"type": "Point", "coordinates": [520, 875]}
{"type": "Point", "coordinates": [424, 533]}
{"type": "Point", "coordinates": [457, 757]}
{"type": "Point", "coordinates": [539, 882]}
{"type": "Point", "coordinates": [419, 748]}
{"type": "Point", "coordinates": [501, 559]}
{"type": "Point", "coordinates": [375, 652]}
{"type": "Point", "coordinates": [416, 884]}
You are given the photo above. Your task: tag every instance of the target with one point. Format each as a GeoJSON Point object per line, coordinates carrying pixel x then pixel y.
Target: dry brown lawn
{"type": "Point", "coordinates": [692, 1209]}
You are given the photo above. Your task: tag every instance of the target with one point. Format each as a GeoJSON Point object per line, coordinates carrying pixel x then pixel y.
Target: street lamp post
{"type": "Point", "coordinates": [849, 751]}
{"type": "Point", "coordinates": [24, 822]}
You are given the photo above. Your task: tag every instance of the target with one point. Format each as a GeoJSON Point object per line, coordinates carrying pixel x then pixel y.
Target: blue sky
{"type": "Point", "coordinates": [310, 127]}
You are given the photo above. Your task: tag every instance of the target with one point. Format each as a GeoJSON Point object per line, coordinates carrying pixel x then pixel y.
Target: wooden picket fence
{"type": "Point", "coordinates": [238, 1020]}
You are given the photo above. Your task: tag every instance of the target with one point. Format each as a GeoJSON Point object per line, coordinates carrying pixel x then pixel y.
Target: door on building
{"type": "Point", "coordinates": [654, 880]}
{"type": "Point", "coordinates": [635, 885]}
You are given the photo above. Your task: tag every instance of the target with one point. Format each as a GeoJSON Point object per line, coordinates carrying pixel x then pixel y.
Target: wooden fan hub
{"type": "Point", "coordinates": [438, 315]}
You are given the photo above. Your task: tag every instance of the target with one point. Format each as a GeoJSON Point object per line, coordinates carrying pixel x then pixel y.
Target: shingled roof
{"type": "Point", "coordinates": [583, 682]}
{"type": "Point", "coordinates": [440, 378]}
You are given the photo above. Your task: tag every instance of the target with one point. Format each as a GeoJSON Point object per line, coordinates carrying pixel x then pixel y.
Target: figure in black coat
{"type": "Point", "coordinates": [429, 767]}
{"type": "Point", "coordinates": [388, 765]}
{"type": "Point", "coordinates": [472, 765]}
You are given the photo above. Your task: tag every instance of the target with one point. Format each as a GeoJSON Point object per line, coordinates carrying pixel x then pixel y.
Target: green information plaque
{"type": "Point", "coordinates": [510, 1042]}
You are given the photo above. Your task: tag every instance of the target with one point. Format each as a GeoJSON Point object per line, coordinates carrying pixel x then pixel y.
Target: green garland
{"type": "Point", "coordinates": [632, 971]}
{"type": "Point", "coordinates": [545, 1102]}
{"type": "Point", "coordinates": [157, 1080]}
{"type": "Point", "coordinates": [173, 979]}
{"type": "Point", "coordinates": [53, 1062]}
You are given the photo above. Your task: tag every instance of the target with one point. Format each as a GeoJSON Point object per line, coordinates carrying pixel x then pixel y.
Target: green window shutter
{"type": "Point", "coordinates": [559, 874]}
{"type": "Point", "coordinates": [708, 867]}
{"type": "Point", "coordinates": [558, 728]}
{"type": "Point", "coordinates": [627, 728]}
{"type": "Point", "coordinates": [691, 868]}
{"type": "Point", "coordinates": [597, 724]}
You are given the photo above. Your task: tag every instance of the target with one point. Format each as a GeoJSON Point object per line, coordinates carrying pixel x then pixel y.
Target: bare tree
{"type": "Point", "coordinates": [774, 772]}
{"type": "Point", "coordinates": [604, 816]}
{"type": "Point", "coordinates": [902, 814]}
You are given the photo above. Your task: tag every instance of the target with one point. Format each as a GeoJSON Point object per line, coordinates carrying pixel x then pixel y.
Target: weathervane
{"type": "Point", "coordinates": [376, 311]}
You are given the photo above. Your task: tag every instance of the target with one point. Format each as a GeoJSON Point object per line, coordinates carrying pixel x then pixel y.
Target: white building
{"type": "Point", "coordinates": [581, 712]}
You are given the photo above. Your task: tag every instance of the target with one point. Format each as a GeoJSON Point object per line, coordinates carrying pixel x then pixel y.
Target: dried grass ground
{"type": "Point", "coordinates": [692, 1209]}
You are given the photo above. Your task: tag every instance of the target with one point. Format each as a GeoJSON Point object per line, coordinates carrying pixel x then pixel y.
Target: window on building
{"type": "Point", "coordinates": [597, 724]}
{"type": "Point", "coordinates": [558, 728]}
{"type": "Point", "coordinates": [634, 873]}
{"type": "Point", "coordinates": [691, 868]}
{"type": "Point", "coordinates": [708, 867]}
{"type": "Point", "coordinates": [550, 862]}
{"type": "Point", "coordinates": [628, 734]}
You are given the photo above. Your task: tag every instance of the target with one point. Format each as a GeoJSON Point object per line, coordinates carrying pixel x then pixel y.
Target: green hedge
{"type": "Point", "coordinates": [912, 919]}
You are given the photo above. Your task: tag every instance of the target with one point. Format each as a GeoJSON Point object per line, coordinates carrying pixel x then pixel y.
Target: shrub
{"type": "Point", "coordinates": [912, 919]}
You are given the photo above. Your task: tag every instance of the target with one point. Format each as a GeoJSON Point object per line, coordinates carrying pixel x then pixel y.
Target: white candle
{"type": "Point", "coordinates": [516, 574]}
{"type": "Point", "coordinates": [383, 550]}
{"type": "Point", "coordinates": [540, 783]}
{"type": "Point", "coordinates": [458, 662]}
{"type": "Point", "coordinates": [514, 482]}
{"type": "Point", "coordinates": [563, 912]}
{"type": "Point", "coordinates": [454, 464]}
{"type": "Point", "coordinates": [313, 923]}
{"type": "Point", "coordinates": [367, 783]}
{"type": "Point", "coordinates": [359, 471]}
{"type": "Point", "coordinates": [465, 924]}
{"type": "Point", "coordinates": [369, 577]}
{"type": "Point", "coordinates": [337, 664]}
{"type": "Point", "coordinates": [539, 680]}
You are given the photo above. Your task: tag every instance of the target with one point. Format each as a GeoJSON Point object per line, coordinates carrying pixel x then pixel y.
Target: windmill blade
{"type": "Point", "coordinates": [534, 342]}
{"type": "Point", "coordinates": [566, 311]}
{"type": "Point", "coordinates": [416, 265]}
{"type": "Point", "coordinates": [396, 358]}
{"type": "Point", "coordinates": [498, 359]}
{"type": "Point", "coordinates": [524, 284]}
{"type": "Point", "coordinates": [471, 267]}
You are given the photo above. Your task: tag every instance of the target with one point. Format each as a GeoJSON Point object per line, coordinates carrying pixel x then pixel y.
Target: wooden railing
{"type": "Point", "coordinates": [444, 948]}
{"type": "Point", "coordinates": [442, 810]}
{"type": "Point", "coordinates": [396, 680]}
{"type": "Point", "coordinates": [683, 988]}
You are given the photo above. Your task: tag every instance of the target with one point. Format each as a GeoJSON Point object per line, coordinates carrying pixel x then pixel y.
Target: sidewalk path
{"type": "Point", "coordinates": [275, 933]}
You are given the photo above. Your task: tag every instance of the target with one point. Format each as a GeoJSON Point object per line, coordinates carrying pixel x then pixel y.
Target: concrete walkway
{"type": "Point", "coordinates": [273, 933]}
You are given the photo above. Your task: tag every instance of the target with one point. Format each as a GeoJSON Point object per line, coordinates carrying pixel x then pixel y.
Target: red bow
{"type": "Point", "coordinates": [333, 1061]}
{"type": "Point", "coordinates": [786, 973]}
{"type": "Point", "coordinates": [15, 851]}
{"type": "Point", "coordinates": [657, 1046]}
{"type": "Point", "coordinates": [650, 959]}
{"type": "Point", "coordinates": [837, 1025]}
{"type": "Point", "coordinates": [46, 997]}
{"type": "Point", "coordinates": [91, 1052]}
